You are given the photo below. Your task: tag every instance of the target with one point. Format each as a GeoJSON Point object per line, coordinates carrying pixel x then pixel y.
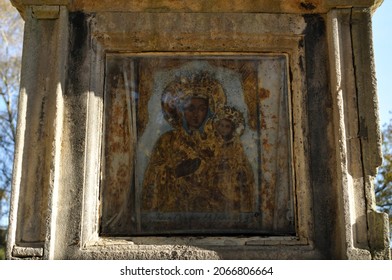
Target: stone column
{"type": "Point", "coordinates": [38, 149]}
{"type": "Point", "coordinates": [358, 141]}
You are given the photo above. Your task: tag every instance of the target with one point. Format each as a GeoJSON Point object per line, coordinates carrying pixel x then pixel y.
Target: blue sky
{"type": "Point", "coordinates": [382, 41]}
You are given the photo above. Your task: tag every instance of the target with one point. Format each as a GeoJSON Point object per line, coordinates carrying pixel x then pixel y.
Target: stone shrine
{"type": "Point", "coordinates": [197, 130]}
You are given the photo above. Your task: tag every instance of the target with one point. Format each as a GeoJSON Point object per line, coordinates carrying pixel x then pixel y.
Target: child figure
{"type": "Point", "coordinates": [232, 172]}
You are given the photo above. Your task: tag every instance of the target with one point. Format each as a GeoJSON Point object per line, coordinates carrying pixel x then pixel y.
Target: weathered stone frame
{"type": "Point", "coordinates": [282, 44]}
{"type": "Point", "coordinates": [358, 142]}
{"type": "Point", "coordinates": [60, 134]}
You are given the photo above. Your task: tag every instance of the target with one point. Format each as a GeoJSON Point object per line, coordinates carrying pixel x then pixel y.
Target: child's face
{"type": "Point", "coordinates": [225, 129]}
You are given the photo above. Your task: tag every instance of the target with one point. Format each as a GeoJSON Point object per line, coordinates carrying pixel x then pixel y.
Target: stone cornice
{"type": "Point", "coordinates": [203, 6]}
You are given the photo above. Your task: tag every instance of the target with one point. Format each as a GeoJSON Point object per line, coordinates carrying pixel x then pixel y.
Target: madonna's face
{"type": "Point", "coordinates": [195, 112]}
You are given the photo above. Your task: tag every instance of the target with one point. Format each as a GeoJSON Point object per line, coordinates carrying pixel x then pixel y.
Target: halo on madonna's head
{"type": "Point", "coordinates": [186, 86]}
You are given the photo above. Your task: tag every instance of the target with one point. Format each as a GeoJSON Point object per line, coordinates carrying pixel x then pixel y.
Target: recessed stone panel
{"type": "Point", "coordinates": [197, 144]}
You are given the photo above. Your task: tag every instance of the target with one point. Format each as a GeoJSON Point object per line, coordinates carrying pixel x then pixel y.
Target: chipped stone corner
{"type": "Point", "coordinates": [379, 236]}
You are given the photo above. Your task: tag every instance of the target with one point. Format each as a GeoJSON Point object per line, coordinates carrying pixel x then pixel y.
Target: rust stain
{"type": "Point", "coordinates": [268, 205]}
{"type": "Point", "coordinates": [263, 124]}
{"type": "Point", "coordinates": [264, 93]}
{"type": "Point", "coordinates": [266, 145]}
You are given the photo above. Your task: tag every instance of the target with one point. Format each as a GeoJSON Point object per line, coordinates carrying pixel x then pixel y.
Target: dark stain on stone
{"type": "Point", "coordinates": [79, 32]}
{"type": "Point", "coordinates": [308, 6]}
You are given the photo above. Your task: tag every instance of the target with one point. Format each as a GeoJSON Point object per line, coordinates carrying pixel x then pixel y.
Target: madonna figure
{"type": "Point", "coordinates": [175, 179]}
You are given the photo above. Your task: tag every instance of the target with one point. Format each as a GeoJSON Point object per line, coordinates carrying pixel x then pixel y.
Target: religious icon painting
{"type": "Point", "coordinates": [197, 145]}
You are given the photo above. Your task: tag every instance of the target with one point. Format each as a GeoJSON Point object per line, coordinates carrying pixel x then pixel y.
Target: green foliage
{"type": "Point", "coordinates": [2, 243]}
{"type": "Point", "coordinates": [2, 253]}
{"type": "Point", "coordinates": [383, 186]}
